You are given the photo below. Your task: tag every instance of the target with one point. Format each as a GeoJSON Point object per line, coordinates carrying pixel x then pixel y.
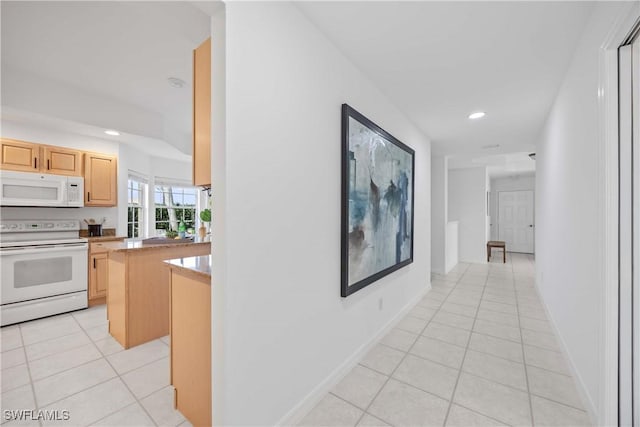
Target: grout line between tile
{"type": "Point", "coordinates": [455, 386]}
{"type": "Point", "coordinates": [138, 401]}
{"type": "Point", "coordinates": [559, 403]}
{"type": "Point", "coordinates": [102, 356]}
{"type": "Point", "coordinates": [526, 371]}
{"type": "Point", "coordinates": [366, 411]}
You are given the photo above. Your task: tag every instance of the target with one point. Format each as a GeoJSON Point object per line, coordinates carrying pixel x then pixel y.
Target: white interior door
{"type": "Point", "coordinates": [515, 220]}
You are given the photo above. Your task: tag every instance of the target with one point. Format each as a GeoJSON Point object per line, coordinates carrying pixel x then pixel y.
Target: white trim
{"type": "Point", "coordinates": [298, 412]}
{"type": "Point", "coordinates": [608, 213]}
{"type": "Point", "coordinates": [138, 176]}
{"type": "Point", "coordinates": [174, 182]}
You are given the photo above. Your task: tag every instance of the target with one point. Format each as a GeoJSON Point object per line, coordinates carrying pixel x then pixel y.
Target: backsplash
{"type": "Point", "coordinates": [106, 232]}
{"type": "Point", "coordinates": [27, 213]}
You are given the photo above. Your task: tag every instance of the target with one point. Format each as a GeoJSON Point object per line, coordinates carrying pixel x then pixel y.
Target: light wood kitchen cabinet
{"type": "Point", "coordinates": [100, 180]}
{"type": "Point", "coordinates": [61, 161]}
{"type": "Point", "coordinates": [191, 342]}
{"type": "Point", "coordinates": [20, 155]}
{"type": "Point", "coordinates": [31, 157]}
{"type": "Point", "coordinates": [98, 278]}
{"type": "Point", "coordinates": [202, 114]}
{"type": "Point", "coordinates": [98, 270]}
{"type": "Point", "coordinates": [138, 290]}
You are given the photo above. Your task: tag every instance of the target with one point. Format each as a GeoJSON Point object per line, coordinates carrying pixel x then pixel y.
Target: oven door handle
{"type": "Point", "coordinates": [49, 249]}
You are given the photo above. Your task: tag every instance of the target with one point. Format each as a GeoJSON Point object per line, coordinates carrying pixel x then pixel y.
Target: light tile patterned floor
{"type": "Point", "coordinates": [478, 350]}
{"type": "Point", "coordinates": [70, 362]}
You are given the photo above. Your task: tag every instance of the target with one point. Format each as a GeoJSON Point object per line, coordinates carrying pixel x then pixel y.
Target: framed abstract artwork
{"type": "Point", "coordinates": [377, 202]}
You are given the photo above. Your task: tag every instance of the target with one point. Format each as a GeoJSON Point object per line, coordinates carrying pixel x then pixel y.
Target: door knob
{"type": "Point", "coordinates": [530, 225]}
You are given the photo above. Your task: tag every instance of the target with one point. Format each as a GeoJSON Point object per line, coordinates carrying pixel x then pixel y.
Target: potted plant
{"type": "Point", "coordinates": [205, 217]}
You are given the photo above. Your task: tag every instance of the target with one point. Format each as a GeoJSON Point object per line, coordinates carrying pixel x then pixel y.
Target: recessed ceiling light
{"type": "Point", "coordinates": [477, 115]}
{"type": "Point", "coordinates": [112, 132]}
{"type": "Point", "coordinates": [176, 82]}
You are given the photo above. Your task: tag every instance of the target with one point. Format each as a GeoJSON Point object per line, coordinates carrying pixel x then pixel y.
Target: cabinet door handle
{"type": "Point", "coordinates": [48, 164]}
{"type": "Point", "coordinates": [88, 196]}
{"type": "Point", "coordinates": [35, 163]}
{"type": "Point", "coordinates": [94, 263]}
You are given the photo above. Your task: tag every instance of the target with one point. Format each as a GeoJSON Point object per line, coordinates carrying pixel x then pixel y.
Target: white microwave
{"type": "Point", "coordinates": [42, 190]}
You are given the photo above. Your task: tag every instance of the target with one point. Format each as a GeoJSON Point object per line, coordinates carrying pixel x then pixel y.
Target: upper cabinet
{"type": "Point", "coordinates": [30, 157]}
{"type": "Point", "coordinates": [100, 180]}
{"type": "Point", "coordinates": [100, 171]}
{"type": "Point", "coordinates": [61, 161]}
{"type": "Point", "coordinates": [202, 114]}
{"type": "Point", "coordinates": [20, 155]}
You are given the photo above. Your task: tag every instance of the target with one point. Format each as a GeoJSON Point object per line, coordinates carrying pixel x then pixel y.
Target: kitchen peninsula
{"type": "Point", "coordinates": [191, 337]}
{"type": "Point", "coordinates": [138, 290]}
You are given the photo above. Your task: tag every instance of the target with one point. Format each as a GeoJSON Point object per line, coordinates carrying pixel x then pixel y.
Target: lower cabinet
{"type": "Point", "coordinates": [191, 346]}
{"type": "Point", "coordinates": [98, 272]}
{"type": "Point", "coordinates": [98, 278]}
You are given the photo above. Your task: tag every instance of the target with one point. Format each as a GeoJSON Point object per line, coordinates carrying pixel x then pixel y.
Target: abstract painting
{"type": "Point", "coordinates": [377, 202]}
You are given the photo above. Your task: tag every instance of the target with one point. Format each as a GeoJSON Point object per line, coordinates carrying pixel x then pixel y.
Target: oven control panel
{"type": "Point", "coordinates": [20, 226]}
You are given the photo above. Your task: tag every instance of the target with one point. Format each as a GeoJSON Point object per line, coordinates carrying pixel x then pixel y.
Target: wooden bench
{"type": "Point", "coordinates": [497, 244]}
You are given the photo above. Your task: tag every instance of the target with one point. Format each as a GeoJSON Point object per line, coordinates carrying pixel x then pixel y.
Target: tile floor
{"type": "Point", "coordinates": [70, 362]}
{"type": "Point", "coordinates": [477, 350]}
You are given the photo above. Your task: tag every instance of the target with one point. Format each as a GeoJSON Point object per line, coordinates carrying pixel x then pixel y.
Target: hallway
{"type": "Point", "coordinates": [476, 350]}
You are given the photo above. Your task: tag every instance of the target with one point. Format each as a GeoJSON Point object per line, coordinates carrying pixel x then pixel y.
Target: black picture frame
{"type": "Point", "coordinates": [348, 158]}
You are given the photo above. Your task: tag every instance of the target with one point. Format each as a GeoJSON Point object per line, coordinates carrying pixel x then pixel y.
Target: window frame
{"type": "Point", "coordinates": [159, 187]}
{"type": "Point", "coordinates": [136, 224]}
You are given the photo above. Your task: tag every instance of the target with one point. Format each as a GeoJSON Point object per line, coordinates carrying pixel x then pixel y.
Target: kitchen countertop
{"type": "Point", "coordinates": [200, 265]}
{"type": "Point", "coordinates": [137, 244]}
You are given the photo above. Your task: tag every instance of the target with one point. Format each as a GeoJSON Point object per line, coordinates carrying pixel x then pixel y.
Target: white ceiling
{"type": "Point", "coordinates": [440, 61]}
{"type": "Point", "coordinates": [114, 56]}
{"type": "Point", "coordinates": [437, 61]}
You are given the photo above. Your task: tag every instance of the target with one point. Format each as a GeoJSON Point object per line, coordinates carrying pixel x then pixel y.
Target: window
{"type": "Point", "coordinates": [174, 204]}
{"type": "Point", "coordinates": [135, 207]}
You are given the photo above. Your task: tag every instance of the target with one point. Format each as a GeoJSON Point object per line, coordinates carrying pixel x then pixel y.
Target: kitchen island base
{"type": "Point", "coordinates": [191, 339]}
{"type": "Point", "coordinates": [138, 290]}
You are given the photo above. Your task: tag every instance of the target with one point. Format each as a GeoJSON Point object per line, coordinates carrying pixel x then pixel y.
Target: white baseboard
{"type": "Point", "coordinates": [582, 390]}
{"type": "Point", "coordinates": [299, 411]}
{"type": "Point", "coordinates": [449, 267]}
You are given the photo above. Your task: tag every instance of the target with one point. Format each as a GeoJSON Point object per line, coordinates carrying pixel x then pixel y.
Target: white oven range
{"type": "Point", "coordinates": [43, 269]}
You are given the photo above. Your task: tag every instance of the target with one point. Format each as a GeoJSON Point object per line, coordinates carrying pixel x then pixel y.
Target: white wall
{"type": "Point", "coordinates": [452, 240]}
{"type": "Point", "coordinates": [569, 198]}
{"type": "Point", "coordinates": [287, 332]}
{"type": "Point", "coordinates": [219, 296]}
{"type": "Point", "coordinates": [439, 177]}
{"type": "Point", "coordinates": [468, 205]}
{"type": "Point", "coordinates": [507, 183]}
{"type": "Point", "coordinates": [131, 159]}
